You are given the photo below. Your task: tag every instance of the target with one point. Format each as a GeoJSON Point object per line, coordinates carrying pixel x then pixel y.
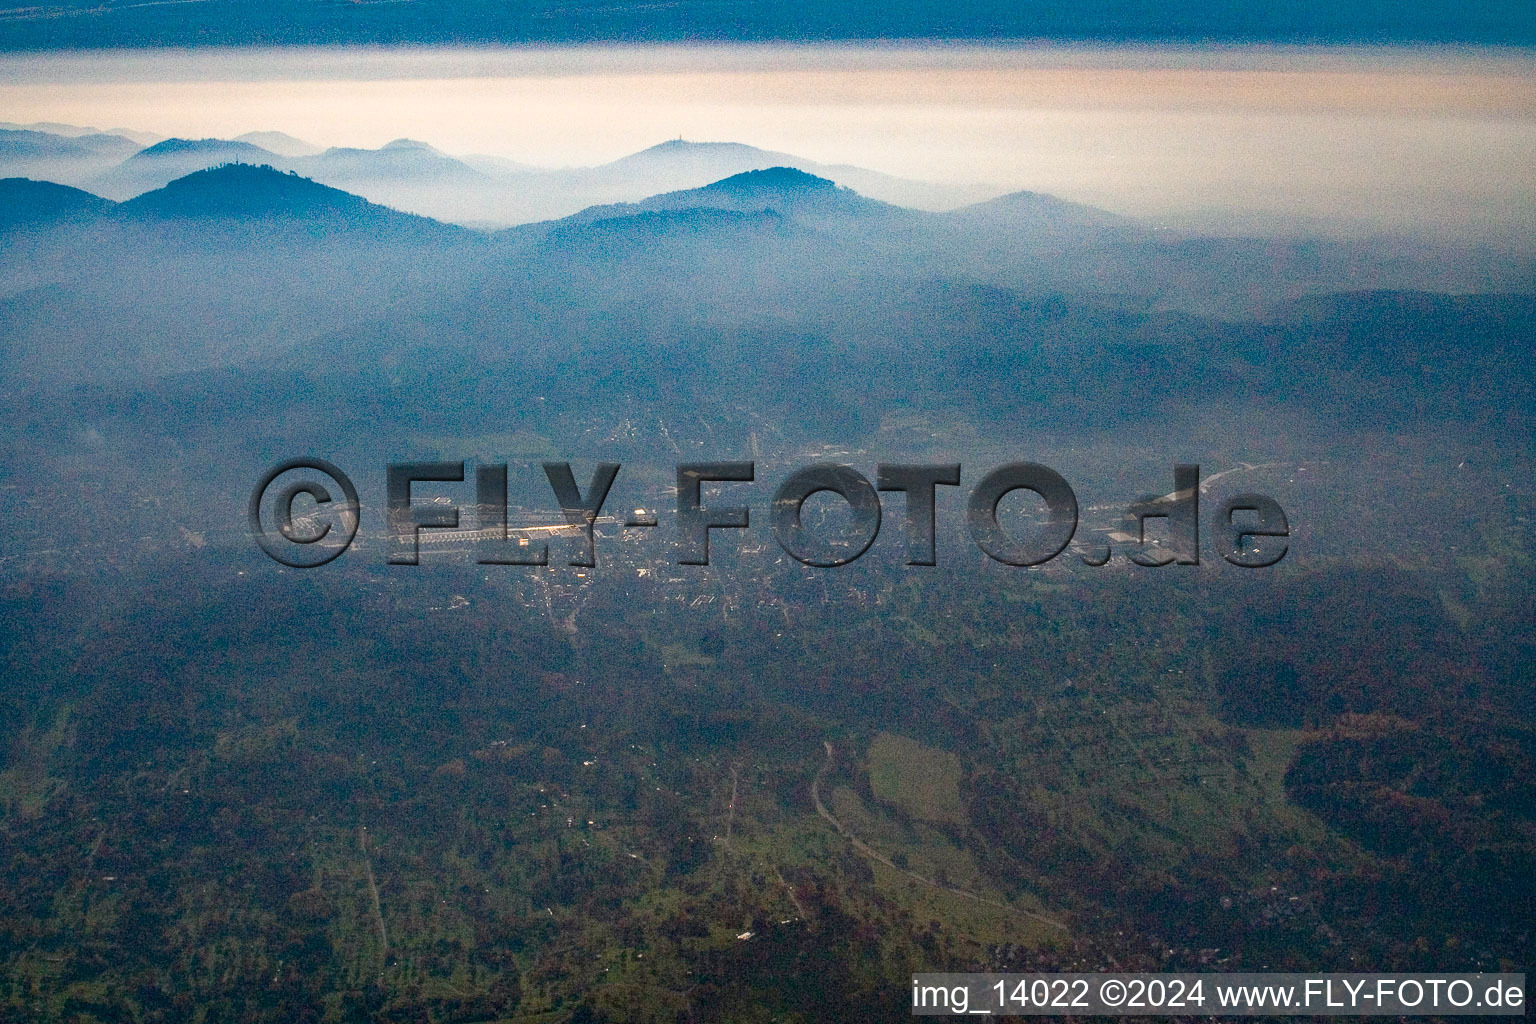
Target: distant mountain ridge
{"type": "Point", "coordinates": [164, 162]}
{"type": "Point", "coordinates": [280, 143]}
{"type": "Point", "coordinates": [606, 237]}
{"type": "Point", "coordinates": [413, 175]}
{"type": "Point", "coordinates": [67, 159]}
{"type": "Point", "coordinates": [24, 202]}
{"type": "Point", "coordinates": [782, 187]}
{"type": "Point", "coordinates": [1040, 211]}
{"type": "Point", "coordinates": [680, 164]}
{"type": "Point", "coordinates": [403, 160]}
{"type": "Point", "coordinates": [242, 190]}
{"type": "Point", "coordinates": [200, 147]}
{"type": "Point", "coordinates": [764, 244]}
{"type": "Point", "coordinates": [238, 190]}
{"type": "Point", "coordinates": [246, 192]}
{"type": "Point", "coordinates": [25, 143]}
{"type": "Point", "coordinates": [783, 190]}
{"type": "Point", "coordinates": [235, 192]}
{"type": "Point", "coordinates": [795, 221]}
{"type": "Point", "coordinates": [72, 131]}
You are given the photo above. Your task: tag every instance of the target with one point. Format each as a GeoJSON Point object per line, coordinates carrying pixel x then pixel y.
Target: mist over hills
{"type": "Point", "coordinates": [752, 306]}
{"type": "Point", "coordinates": [493, 192]}
{"type": "Point", "coordinates": [679, 164]}
{"type": "Point", "coordinates": [555, 775]}
{"type": "Point", "coordinates": [775, 247]}
{"type": "Point", "coordinates": [68, 158]}
{"type": "Point", "coordinates": [155, 166]}
{"type": "Point", "coordinates": [229, 193]}
{"type": "Point", "coordinates": [403, 159]}
{"type": "Point", "coordinates": [414, 176]}
{"type": "Point", "coordinates": [785, 190]}
{"type": "Point", "coordinates": [246, 193]}
{"type": "Point", "coordinates": [52, 128]}
{"type": "Point", "coordinates": [1038, 212]}
{"type": "Point", "coordinates": [280, 143]}
{"type": "Point", "coordinates": [465, 791]}
{"type": "Point", "coordinates": [71, 131]}
{"type": "Point", "coordinates": [22, 145]}
{"type": "Point", "coordinates": [218, 267]}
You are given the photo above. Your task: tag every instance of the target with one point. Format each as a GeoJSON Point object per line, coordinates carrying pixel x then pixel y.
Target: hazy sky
{"type": "Point", "coordinates": [1386, 136]}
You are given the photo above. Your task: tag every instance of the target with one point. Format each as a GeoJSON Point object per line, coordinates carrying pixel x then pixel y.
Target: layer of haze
{"type": "Point", "coordinates": [1442, 140]}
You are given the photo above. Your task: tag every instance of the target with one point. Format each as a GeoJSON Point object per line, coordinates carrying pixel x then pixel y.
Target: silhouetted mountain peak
{"type": "Point", "coordinates": [778, 181]}
{"type": "Point", "coordinates": [720, 158]}
{"type": "Point", "coordinates": [1038, 211]}
{"type": "Point", "coordinates": [402, 159]}
{"type": "Point", "coordinates": [24, 201]}
{"type": "Point", "coordinates": [164, 161]}
{"type": "Point", "coordinates": [399, 144]}
{"type": "Point", "coordinates": [203, 147]}
{"type": "Point", "coordinates": [617, 236]}
{"type": "Point", "coordinates": [247, 192]}
{"type": "Point", "coordinates": [674, 146]}
{"type": "Point", "coordinates": [780, 190]}
{"type": "Point", "coordinates": [787, 190]}
{"type": "Point", "coordinates": [784, 189]}
{"type": "Point", "coordinates": [22, 143]}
